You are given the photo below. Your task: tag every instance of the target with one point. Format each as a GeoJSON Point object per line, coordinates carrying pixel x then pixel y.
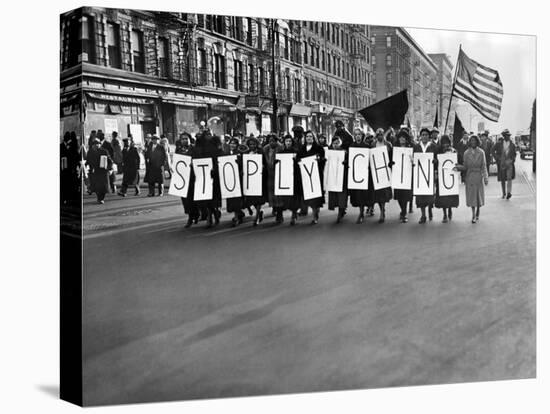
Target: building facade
{"type": "Point", "coordinates": [142, 72]}
{"type": "Point", "coordinates": [400, 63]}
{"type": "Point", "coordinates": [444, 86]}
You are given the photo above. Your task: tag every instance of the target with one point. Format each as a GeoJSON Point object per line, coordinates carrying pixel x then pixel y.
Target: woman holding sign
{"type": "Point", "coordinates": [257, 201]}
{"type": "Point", "coordinates": [425, 146]}
{"type": "Point", "coordinates": [339, 198]}
{"type": "Point", "coordinates": [448, 202]}
{"type": "Point", "coordinates": [312, 148]}
{"type": "Point", "coordinates": [291, 202]}
{"type": "Point", "coordinates": [403, 196]}
{"type": "Point", "coordinates": [360, 198]}
{"type": "Point", "coordinates": [235, 204]}
{"type": "Point", "coordinates": [383, 195]}
{"type": "Point", "coordinates": [475, 168]}
{"type": "Point", "coordinates": [270, 151]}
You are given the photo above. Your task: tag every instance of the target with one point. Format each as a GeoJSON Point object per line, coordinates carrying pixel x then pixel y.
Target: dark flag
{"type": "Point", "coordinates": [389, 112]}
{"type": "Point", "coordinates": [436, 120]}
{"type": "Point", "coordinates": [458, 131]}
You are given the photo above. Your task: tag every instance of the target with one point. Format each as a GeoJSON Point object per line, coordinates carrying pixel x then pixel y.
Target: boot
{"type": "Point", "coordinates": [293, 219]}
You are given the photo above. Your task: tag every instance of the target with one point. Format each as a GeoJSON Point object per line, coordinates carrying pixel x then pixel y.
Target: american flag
{"type": "Point", "coordinates": [479, 85]}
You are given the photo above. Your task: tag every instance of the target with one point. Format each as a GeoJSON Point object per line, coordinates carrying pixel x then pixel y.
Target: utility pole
{"type": "Point", "coordinates": [274, 122]}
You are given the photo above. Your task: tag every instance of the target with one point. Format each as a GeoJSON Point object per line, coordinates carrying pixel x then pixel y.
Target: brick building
{"type": "Point", "coordinates": [158, 72]}
{"type": "Point", "coordinates": [400, 63]}
{"type": "Point", "coordinates": [444, 86]}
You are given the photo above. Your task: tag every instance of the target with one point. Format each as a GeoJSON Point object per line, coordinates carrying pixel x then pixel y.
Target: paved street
{"type": "Point", "coordinates": [174, 313]}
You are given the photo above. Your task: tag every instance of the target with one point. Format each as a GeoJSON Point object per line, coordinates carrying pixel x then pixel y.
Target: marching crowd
{"type": "Point", "coordinates": [95, 167]}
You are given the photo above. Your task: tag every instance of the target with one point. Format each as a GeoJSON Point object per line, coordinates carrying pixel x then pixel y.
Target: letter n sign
{"type": "Point", "coordinates": [423, 174]}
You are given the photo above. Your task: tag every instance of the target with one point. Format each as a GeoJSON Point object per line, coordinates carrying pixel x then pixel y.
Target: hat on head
{"type": "Point", "coordinates": [424, 130]}
{"type": "Point", "coordinates": [434, 129]}
{"type": "Point", "coordinates": [506, 132]}
{"type": "Point", "coordinates": [379, 131]}
{"type": "Point", "coordinates": [155, 137]}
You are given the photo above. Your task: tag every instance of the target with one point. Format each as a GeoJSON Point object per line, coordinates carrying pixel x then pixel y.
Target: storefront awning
{"type": "Point", "coordinates": [223, 107]}
{"type": "Point", "coordinates": [300, 110]}
{"type": "Point", "coordinates": [119, 98]}
{"type": "Point", "coordinates": [183, 102]}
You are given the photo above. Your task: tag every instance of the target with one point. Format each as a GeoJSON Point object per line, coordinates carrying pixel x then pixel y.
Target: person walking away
{"type": "Point", "coordinates": [106, 145]}
{"type": "Point", "coordinates": [403, 197]}
{"type": "Point", "coordinates": [339, 199]}
{"type": "Point", "coordinates": [504, 153]}
{"type": "Point", "coordinates": [475, 176]}
{"type": "Point", "coordinates": [117, 152]}
{"type": "Point", "coordinates": [360, 198]}
{"type": "Point", "coordinates": [313, 148]}
{"type": "Point", "coordinates": [154, 176]}
{"type": "Point", "coordinates": [130, 167]}
{"type": "Point", "coordinates": [100, 163]}
{"type": "Point", "coordinates": [448, 202]}
{"type": "Point", "coordinates": [487, 147]}
{"type": "Point", "coordinates": [423, 201]}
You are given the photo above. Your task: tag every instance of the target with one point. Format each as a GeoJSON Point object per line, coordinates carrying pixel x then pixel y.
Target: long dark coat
{"type": "Point", "coordinates": [445, 201]}
{"type": "Point", "coordinates": [99, 177]}
{"type": "Point", "coordinates": [340, 198]}
{"type": "Point", "coordinates": [155, 159]}
{"type": "Point", "coordinates": [427, 200]}
{"type": "Point", "coordinates": [319, 151]}
{"type": "Point", "coordinates": [130, 166]}
{"type": "Point", "coordinates": [235, 203]}
{"type": "Point", "coordinates": [362, 198]}
{"type": "Point", "coordinates": [504, 161]}
{"type": "Point", "coordinates": [269, 157]}
{"type": "Point", "coordinates": [189, 206]}
{"type": "Point", "coordinates": [404, 195]}
{"type": "Point", "coordinates": [207, 147]}
{"type": "Point", "coordinates": [258, 200]}
{"type": "Point", "coordinates": [382, 195]}
{"type": "Point", "coordinates": [68, 174]}
{"type": "Point", "coordinates": [293, 202]}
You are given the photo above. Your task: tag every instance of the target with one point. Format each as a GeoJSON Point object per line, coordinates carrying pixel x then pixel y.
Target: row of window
{"type": "Point", "coordinates": [334, 34]}
{"type": "Point", "coordinates": [333, 95]}
{"type": "Point", "coordinates": [320, 59]}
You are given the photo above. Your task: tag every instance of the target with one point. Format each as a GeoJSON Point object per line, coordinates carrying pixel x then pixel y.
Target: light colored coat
{"type": "Point", "coordinates": [476, 173]}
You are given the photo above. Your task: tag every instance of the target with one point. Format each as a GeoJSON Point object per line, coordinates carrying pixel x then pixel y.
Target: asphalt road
{"type": "Point", "coordinates": [174, 313]}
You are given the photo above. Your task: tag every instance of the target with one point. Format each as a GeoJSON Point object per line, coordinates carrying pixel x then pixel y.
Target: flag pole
{"type": "Point", "coordinates": [452, 90]}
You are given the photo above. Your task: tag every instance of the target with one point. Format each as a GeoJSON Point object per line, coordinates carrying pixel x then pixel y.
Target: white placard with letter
{"type": "Point", "coordinates": [252, 174]}
{"type": "Point", "coordinates": [334, 170]}
{"type": "Point", "coordinates": [179, 184]}
{"type": "Point", "coordinates": [402, 168]}
{"type": "Point", "coordinates": [423, 174]}
{"type": "Point", "coordinates": [230, 182]}
{"type": "Point", "coordinates": [358, 169]}
{"type": "Point", "coordinates": [103, 162]}
{"type": "Point", "coordinates": [284, 175]}
{"type": "Point", "coordinates": [449, 180]}
{"type": "Point", "coordinates": [380, 167]}
{"type": "Point", "coordinates": [311, 180]}
{"type": "Point", "coordinates": [203, 179]}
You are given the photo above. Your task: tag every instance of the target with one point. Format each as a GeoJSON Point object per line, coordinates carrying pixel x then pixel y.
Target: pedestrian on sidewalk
{"type": "Point", "coordinates": [101, 164]}
{"type": "Point", "coordinates": [257, 201]}
{"type": "Point", "coordinates": [313, 148]}
{"type": "Point", "coordinates": [339, 199]}
{"type": "Point", "coordinates": [130, 167]}
{"type": "Point", "coordinates": [487, 147]}
{"type": "Point", "coordinates": [505, 156]}
{"type": "Point", "coordinates": [360, 198]}
{"type": "Point", "coordinates": [475, 176]}
{"type": "Point", "coordinates": [403, 197]}
{"type": "Point", "coordinates": [155, 156]}
{"type": "Point", "coordinates": [117, 152]}
{"type": "Point", "coordinates": [167, 164]}
{"type": "Point", "coordinates": [448, 202]}
{"type": "Point", "coordinates": [106, 145]}
{"type": "Point", "coordinates": [423, 201]}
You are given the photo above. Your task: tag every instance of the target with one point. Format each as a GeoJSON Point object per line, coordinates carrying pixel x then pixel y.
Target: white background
{"type": "Point", "coordinates": [29, 208]}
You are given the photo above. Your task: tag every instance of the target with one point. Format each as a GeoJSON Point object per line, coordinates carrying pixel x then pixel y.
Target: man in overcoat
{"type": "Point", "coordinates": [155, 158]}
{"type": "Point", "coordinates": [504, 153]}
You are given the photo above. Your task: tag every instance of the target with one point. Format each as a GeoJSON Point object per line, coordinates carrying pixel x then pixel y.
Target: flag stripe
{"type": "Point", "coordinates": [465, 88]}
{"type": "Point", "coordinates": [479, 85]}
{"type": "Point", "coordinates": [490, 86]}
{"type": "Point", "coordinates": [486, 113]}
{"type": "Point", "coordinates": [480, 93]}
